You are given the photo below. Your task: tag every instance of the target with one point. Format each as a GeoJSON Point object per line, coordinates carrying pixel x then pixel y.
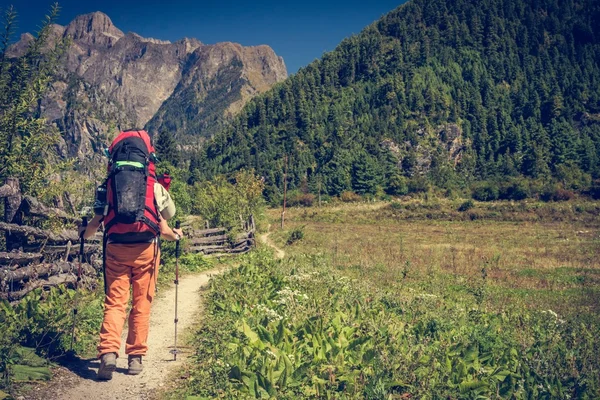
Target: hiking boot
{"type": "Point", "coordinates": [108, 364]}
{"type": "Point", "coordinates": [135, 365]}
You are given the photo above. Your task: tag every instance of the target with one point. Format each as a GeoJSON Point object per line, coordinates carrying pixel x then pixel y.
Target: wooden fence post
{"type": "Point", "coordinates": [12, 202]}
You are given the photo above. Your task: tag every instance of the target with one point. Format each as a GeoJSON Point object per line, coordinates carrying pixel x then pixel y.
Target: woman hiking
{"type": "Point", "coordinates": [134, 209]}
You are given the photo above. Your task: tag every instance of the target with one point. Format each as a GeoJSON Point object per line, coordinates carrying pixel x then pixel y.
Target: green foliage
{"type": "Point", "coordinates": [295, 235]}
{"type": "Point", "coordinates": [166, 148]}
{"type": "Point", "coordinates": [466, 206]}
{"type": "Point", "coordinates": [459, 93]}
{"type": "Point", "coordinates": [516, 189]}
{"type": "Point", "coordinates": [26, 140]}
{"type": "Point", "coordinates": [485, 191]}
{"type": "Point", "coordinates": [418, 184]}
{"type": "Point", "coordinates": [181, 193]}
{"type": "Point", "coordinates": [43, 320]}
{"type": "Point", "coordinates": [229, 203]}
{"type": "Point", "coordinates": [595, 190]}
{"type": "Point", "coordinates": [555, 193]}
{"type": "Point", "coordinates": [297, 198]}
{"type": "Point", "coordinates": [299, 330]}
{"type": "Point", "coordinates": [398, 185]}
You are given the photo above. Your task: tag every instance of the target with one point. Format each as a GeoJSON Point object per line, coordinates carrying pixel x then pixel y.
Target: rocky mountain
{"type": "Point", "coordinates": [216, 81]}
{"type": "Point", "coordinates": [111, 80]}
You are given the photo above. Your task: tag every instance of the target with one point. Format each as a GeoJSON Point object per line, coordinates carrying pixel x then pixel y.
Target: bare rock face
{"type": "Point", "coordinates": [138, 73]}
{"type": "Point", "coordinates": [217, 81]}
{"type": "Point", "coordinates": [94, 30]}
{"type": "Point", "coordinates": [20, 48]}
{"type": "Point", "coordinates": [446, 138]}
{"type": "Point", "coordinates": [109, 80]}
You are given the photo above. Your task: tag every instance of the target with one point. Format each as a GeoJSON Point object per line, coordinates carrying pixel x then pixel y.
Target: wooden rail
{"type": "Point", "coordinates": [41, 258]}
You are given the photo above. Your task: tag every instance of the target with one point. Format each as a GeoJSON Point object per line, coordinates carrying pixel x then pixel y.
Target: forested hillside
{"type": "Point", "coordinates": [439, 92]}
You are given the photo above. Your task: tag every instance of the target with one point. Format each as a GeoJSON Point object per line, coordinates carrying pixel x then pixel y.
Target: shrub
{"type": "Point", "coordinates": [557, 194]}
{"type": "Point", "coordinates": [295, 235]}
{"type": "Point", "coordinates": [396, 205]}
{"type": "Point", "coordinates": [595, 190]}
{"type": "Point", "coordinates": [485, 191]}
{"type": "Point", "coordinates": [222, 203]}
{"type": "Point", "coordinates": [515, 190]}
{"type": "Point", "coordinates": [466, 206]}
{"type": "Point", "coordinates": [397, 186]}
{"type": "Point", "coordinates": [296, 198]}
{"type": "Point", "coordinates": [350, 197]}
{"type": "Point", "coordinates": [418, 184]}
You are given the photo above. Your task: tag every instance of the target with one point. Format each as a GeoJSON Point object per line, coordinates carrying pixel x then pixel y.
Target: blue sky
{"type": "Point", "coordinates": [300, 31]}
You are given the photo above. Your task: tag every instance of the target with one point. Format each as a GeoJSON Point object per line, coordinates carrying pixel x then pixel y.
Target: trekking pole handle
{"type": "Point", "coordinates": [177, 247]}
{"type": "Point", "coordinates": [84, 223]}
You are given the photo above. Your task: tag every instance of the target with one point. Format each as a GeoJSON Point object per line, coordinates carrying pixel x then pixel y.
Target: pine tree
{"type": "Point", "coordinates": [166, 148]}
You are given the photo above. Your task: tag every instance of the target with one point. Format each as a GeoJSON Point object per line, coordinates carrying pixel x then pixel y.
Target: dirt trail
{"type": "Point", "coordinates": [158, 362]}
{"type": "Point", "coordinates": [264, 238]}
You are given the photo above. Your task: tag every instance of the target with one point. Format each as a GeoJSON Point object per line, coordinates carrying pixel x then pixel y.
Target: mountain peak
{"type": "Point", "coordinates": [94, 29]}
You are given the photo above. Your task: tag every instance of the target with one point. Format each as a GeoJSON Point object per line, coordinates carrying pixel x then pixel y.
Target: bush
{"type": "Point", "coordinates": [466, 206]}
{"type": "Point", "coordinates": [396, 205]}
{"type": "Point", "coordinates": [222, 202]}
{"type": "Point", "coordinates": [397, 186]}
{"type": "Point", "coordinates": [295, 235]}
{"type": "Point", "coordinates": [595, 190]}
{"type": "Point", "coordinates": [296, 198]}
{"type": "Point", "coordinates": [515, 190]}
{"type": "Point", "coordinates": [485, 191]}
{"type": "Point", "coordinates": [557, 194]}
{"type": "Point", "coordinates": [350, 197]}
{"type": "Point", "coordinates": [418, 184]}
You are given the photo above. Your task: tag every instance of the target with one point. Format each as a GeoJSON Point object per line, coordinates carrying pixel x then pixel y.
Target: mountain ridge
{"type": "Point", "coordinates": [136, 75]}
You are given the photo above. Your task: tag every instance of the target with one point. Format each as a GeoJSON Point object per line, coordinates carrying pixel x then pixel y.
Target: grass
{"type": "Point", "coordinates": [368, 306]}
{"type": "Point", "coordinates": [544, 264]}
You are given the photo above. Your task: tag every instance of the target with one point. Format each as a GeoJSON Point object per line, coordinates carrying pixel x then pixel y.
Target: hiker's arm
{"type": "Point", "coordinates": [92, 227]}
{"type": "Point", "coordinates": [167, 233]}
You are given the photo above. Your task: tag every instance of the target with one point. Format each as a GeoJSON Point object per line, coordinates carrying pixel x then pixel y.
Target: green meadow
{"type": "Point", "coordinates": [409, 300]}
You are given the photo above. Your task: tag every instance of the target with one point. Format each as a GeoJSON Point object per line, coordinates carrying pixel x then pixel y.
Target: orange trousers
{"type": "Point", "coordinates": [128, 266]}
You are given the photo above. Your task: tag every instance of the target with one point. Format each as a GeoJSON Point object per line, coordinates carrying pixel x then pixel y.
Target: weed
{"type": "Point", "coordinates": [295, 235]}
{"type": "Point", "coordinates": [466, 206]}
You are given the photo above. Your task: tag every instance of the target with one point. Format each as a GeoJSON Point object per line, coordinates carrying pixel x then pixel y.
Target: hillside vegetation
{"type": "Point", "coordinates": [443, 93]}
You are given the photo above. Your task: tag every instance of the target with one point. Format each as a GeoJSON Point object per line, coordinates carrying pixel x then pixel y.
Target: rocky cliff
{"type": "Point", "coordinates": [216, 82]}
{"type": "Point", "coordinates": [109, 80]}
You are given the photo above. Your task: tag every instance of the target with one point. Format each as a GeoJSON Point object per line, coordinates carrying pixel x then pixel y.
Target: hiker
{"type": "Point", "coordinates": [134, 209]}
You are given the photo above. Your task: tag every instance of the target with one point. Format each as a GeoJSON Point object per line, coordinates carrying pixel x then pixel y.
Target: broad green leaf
{"type": "Point", "coordinates": [279, 334]}
{"type": "Point", "coordinates": [468, 386]}
{"type": "Point", "coordinates": [358, 341]}
{"type": "Point", "coordinates": [250, 334]}
{"type": "Point", "coordinates": [501, 375]}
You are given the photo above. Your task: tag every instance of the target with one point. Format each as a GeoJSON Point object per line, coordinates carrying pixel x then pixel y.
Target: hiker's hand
{"type": "Point", "coordinates": [178, 232]}
{"type": "Point", "coordinates": [92, 227]}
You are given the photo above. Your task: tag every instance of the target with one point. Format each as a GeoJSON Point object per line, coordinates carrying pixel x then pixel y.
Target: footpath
{"type": "Point", "coordinates": [78, 381]}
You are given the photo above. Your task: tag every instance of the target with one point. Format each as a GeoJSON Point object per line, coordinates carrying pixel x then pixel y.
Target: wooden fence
{"type": "Point", "coordinates": [44, 258]}
{"type": "Point", "coordinates": [219, 242]}
{"type": "Point", "coordinates": [41, 258]}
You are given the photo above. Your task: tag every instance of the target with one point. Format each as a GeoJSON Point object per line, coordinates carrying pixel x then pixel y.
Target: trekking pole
{"type": "Point", "coordinates": [177, 254]}
{"type": "Point", "coordinates": [84, 223]}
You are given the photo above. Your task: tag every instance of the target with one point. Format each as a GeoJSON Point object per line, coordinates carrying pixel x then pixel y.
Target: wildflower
{"type": "Point", "coordinates": [271, 314]}
{"type": "Point", "coordinates": [271, 354]}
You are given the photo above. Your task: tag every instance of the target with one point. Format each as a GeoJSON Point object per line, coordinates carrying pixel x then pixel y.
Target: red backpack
{"type": "Point", "coordinates": [132, 211]}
